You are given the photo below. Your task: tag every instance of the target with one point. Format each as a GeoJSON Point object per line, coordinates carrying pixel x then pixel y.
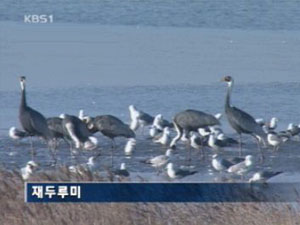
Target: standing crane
{"type": "Point", "coordinates": [240, 121]}
{"type": "Point", "coordinates": [32, 121]}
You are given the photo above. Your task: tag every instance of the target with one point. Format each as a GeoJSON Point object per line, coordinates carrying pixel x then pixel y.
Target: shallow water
{"type": "Point", "coordinates": [163, 57]}
{"type": "Point", "coordinates": [261, 100]}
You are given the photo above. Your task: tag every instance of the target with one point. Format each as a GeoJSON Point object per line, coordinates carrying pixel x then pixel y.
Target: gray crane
{"type": "Point", "coordinates": [32, 121]}
{"type": "Point", "coordinates": [191, 120]}
{"type": "Point", "coordinates": [242, 122]}
{"type": "Point", "coordinates": [111, 127]}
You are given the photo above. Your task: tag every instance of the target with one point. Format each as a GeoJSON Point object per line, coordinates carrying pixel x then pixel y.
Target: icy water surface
{"type": "Point", "coordinates": [242, 14]}
{"type": "Point", "coordinates": [261, 100]}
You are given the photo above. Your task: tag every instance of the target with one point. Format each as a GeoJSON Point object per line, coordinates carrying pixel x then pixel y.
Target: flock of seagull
{"type": "Point", "coordinates": [196, 129]}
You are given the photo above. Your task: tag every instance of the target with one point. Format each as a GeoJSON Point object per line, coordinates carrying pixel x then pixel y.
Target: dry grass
{"type": "Point", "coordinates": [14, 211]}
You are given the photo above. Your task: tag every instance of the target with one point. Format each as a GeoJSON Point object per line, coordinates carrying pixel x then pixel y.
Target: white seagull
{"type": "Point", "coordinates": [273, 123]}
{"type": "Point", "coordinates": [157, 122]}
{"type": "Point", "coordinates": [134, 115]}
{"type": "Point", "coordinates": [130, 146]}
{"type": "Point", "coordinates": [293, 130]}
{"type": "Point", "coordinates": [275, 140]}
{"type": "Point", "coordinates": [197, 142]}
{"type": "Point", "coordinates": [28, 169]}
{"type": "Point", "coordinates": [220, 164]}
{"type": "Point", "coordinates": [228, 141]}
{"type": "Point", "coordinates": [263, 176]}
{"type": "Point", "coordinates": [17, 134]}
{"type": "Point", "coordinates": [139, 118]}
{"type": "Point", "coordinates": [204, 132]}
{"type": "Point", "coordinates": [214, 143]}
{"type": "Point", "coordinates": [89, 166]}
{"type": "Point", "coordinates": [242, 167]}
{"type": "Point", "coordinates": [165, 137]}
{"type": "Point", "coordinates": [176, 174]}
{"type": "Point", "coordinates": [159, 161]}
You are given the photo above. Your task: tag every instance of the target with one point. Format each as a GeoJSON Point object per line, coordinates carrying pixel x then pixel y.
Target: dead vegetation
{"type": "Point", "coordinates": [14, 211]}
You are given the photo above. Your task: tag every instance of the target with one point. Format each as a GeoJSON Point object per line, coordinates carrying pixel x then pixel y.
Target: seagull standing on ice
{"type": "Point", "coordinates": [198, 142]}
{"type": "Point", "coordinates": [220, 164]}
{"type": "Point", "coordinates": [153, 131]}
{"type": "Point", "coordinates": [139, 118]}
{"type": "Point", "coordinates": [294, 130]}
{"type": "Point", "coordinates": [275, 140]}
{"type": "Point", "coordinates": [242, 167]}
{"type": "Point", "coordinates": [273, 124]}
{"type": "Point", "coordinates": [159, 161]}
{"type": "Point", "coordinates": [165, 137]}
{"type": "Point", "coordinates": [263, 176]}
{"type": "Point", "coordinates": [177, 174]}
{"type": "Point", "coordinates": [160, 123]}
{"type": "Point", "coordinates": [214, 143]}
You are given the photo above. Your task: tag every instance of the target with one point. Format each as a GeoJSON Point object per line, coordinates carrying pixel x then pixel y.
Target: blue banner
{"type": "Point", "coordinates": [161, 192]}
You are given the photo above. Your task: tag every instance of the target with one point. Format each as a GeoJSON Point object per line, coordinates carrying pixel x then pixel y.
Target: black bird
{"type": "Point", "coordinates": [33, 122]}
{"type": "Point", "coordinates": [111, 127]}
{"type": "Point", "coordinates": [191, 120]}
{"type": "Point", "coordinates": [77, 131]}
{"type": "Point", "coordinates": [241, 121]}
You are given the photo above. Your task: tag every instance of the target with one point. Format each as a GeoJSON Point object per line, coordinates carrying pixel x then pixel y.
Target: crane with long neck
{"type": "Point", "coordinates": [32, 121]}
{"type": "Point", "coordinates": [241, 121]}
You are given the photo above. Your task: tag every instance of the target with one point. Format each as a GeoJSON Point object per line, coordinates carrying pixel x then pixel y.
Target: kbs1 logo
{"type": "Point", "coordinates": [33, 18]}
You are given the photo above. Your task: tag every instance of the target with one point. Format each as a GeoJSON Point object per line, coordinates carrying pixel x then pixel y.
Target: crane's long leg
{"type": "Point", "coordinates": [112, 152]}
{"type": "Point", "coordinates": [240, 144]}
{"type": "Point", "coordinates": [52, 149]}
{"type": "Point", "coordinates": [189, 158]}
{"type": "Point", "coordinates": [71, 147]}
{"type": "Point", "coordinates": [260, 150]}
{"type": "Point", "coordinates": [202, 149]}
{"type": "Point", "coordinates": [72, 155]}
{"type": "Point", "coordinates": [31, 148]}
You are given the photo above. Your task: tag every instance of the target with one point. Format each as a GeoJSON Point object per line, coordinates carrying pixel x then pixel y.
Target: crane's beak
{"type": "Point", "coordinates": [222, 79]}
